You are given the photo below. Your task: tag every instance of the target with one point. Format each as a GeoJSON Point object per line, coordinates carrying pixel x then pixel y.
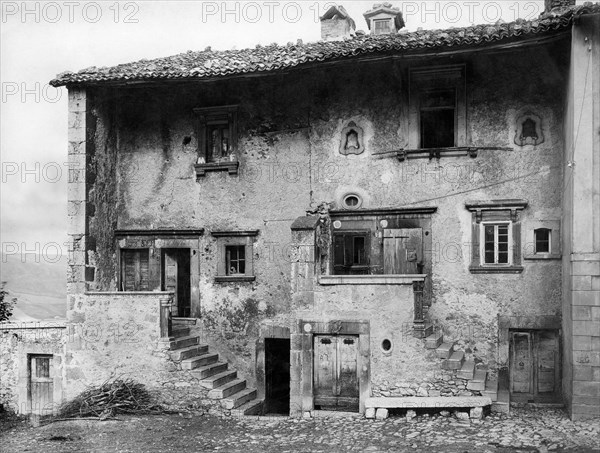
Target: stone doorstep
{"type": "Point", "coordinates": [253, 407]}
{"type": "Point", "coordinates": [467, 371]}
{"type": "Point", "coordinates": [179, 332]}
{"type": "Point", "coordinates": [237, 399]}
{"type": "Point", "coordinates": [445, 350]}
{"type": "Point", "coordinates": [429, 402]}
{"type": "Point", "coordinates": [434, 340]}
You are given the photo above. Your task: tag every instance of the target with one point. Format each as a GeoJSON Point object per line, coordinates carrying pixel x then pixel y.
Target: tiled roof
{"type": "Point", "coordinates": [210, 64]}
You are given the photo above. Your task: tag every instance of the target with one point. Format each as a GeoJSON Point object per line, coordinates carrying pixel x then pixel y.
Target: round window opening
{"type": "Point", "coordinates": [386, 345]}
{"type": "Point", "coordinates": [352, 201]}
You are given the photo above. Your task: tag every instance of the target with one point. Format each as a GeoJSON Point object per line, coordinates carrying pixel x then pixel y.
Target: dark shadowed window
{"type": "Point", "coordinates": [438, 118]}
{"type": "Point", "coordinates": [235, 259]}
{"type": "Point", "coordinates": [350, 253]}
{"type": "Point", "coordinates": [542, 240]}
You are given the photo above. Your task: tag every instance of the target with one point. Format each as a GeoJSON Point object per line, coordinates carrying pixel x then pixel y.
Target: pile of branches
{"type": "Point", "coordinates": [114, 396]}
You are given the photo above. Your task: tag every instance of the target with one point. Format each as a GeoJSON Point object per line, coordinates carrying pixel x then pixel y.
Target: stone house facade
{"type": "Point", "coordinates": [348, 224]}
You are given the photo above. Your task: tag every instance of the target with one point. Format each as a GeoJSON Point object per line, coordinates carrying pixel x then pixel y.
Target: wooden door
{"type": "Point", "coordinates": [41, 384]}
{"type": "Point", "coordinates": [402, 250]}
{"type": "Point", "coordinates": [170, 278]}
{"type": "Point", "coordinates": [336, 383]}
{"type": "Point", "coordinates": [534, 366]}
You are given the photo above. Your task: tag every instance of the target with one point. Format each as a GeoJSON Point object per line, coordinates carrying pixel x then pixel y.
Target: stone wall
{"type": "Point", "coordinates": [18, 341]}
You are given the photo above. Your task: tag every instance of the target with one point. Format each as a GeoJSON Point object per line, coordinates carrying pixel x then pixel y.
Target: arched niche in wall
{"type": "Point", "coordinates": [352, 140]}
{"type": "Point", "coordinates": [528, 129]}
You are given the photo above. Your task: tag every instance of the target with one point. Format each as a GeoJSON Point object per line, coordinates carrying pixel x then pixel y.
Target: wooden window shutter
{"type": "Point", "coordinates": [135, 270]}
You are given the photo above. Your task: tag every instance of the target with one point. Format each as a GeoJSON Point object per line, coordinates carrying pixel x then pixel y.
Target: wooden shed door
{"type": "Point", "coordinates": [402, 250]}
{"type": "Point", "coordinates": [41, 384]}
{"type": "Point", "coordinates": [534, 366]}
{"type": "Point", "coordinates": [335, 372]}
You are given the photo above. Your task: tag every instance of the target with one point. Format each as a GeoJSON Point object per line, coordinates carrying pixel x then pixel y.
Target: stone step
{"type": "Point", "coordinates": [180, 331]}
{"type": "Point", "coordinates": [445, 350]}
{"type": "Point", "coordinates": [237, 399]}
{"type": "Point", "coordinates": [491, 390]}
{"type": "Point", "coordinates": [434, 340]}
{"type": "Point", "coordinates": [184, 342]}
{"type": "Point", "coordinates": [227, 389]}
{"type": "Point", "coordinates": [201, 360]}
{"type": "Point", "coordinates": [217, 380]}
{"type": "Point", "coordinates": [455, 361]}
{"type": "Point", "coordinates": [428, 330]}
{"type": "Point", "coordinates": [180, 321]}
{"type": "Point", "coordinates": [209, 370]}
{"type": "Point", "coordinates": [478, 382]}
{"type": "Point", "coordinates": [502, 404]}
{"type": "Point", "coordinates": [190, 351]}
{"type": "Point", "coordinates": [254, 407]}
{"type": "Point", "coordinates": [467, 371]}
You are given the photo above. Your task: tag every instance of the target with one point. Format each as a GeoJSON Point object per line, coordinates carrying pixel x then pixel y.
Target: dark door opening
{"type": "Point", "coordinates": [175, 265]}
{"type": "Point", "coordinates": [277, 376]}
{"type": "Point", "coordinates": [535, 366]}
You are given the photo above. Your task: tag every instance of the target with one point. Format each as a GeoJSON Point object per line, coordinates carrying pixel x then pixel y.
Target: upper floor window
{"type": "Point", "coordinates": [542, 240]}
{"type": "Point", "coordinates": [382, 26]}
{"type": "Point", "coordinates": [351, 252]}
{"type": "Point", "coordinates": [217, 139]}
{"type": "Point", "coordinates": [437, 107]}
{"type": "Point", "coordinates": [542, 237]}
{"type": "Point", "coordinates": [496, 239]}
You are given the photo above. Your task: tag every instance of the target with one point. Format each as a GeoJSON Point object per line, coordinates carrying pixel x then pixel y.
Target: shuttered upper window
{"type": "Point", "coordinates": [135, 270]}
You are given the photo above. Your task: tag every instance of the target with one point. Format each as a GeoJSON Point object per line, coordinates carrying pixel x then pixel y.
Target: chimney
{"type": "Point", "coordinates": [551, 4]}
{"type": "Point", "coordinates": [336, 24]}
{"type": "Point", "coordinates": [384, 19]}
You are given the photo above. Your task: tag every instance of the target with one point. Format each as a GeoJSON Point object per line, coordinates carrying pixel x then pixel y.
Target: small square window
{"type": "Point", "coordinates": [382, 26]}
{"type": "Point", "coordinates": [235, 255]}
{"type": "Point", "coordinates": [542, 237]}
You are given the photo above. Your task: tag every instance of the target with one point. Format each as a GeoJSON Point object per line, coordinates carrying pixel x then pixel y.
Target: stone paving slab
{"type": "Point", "coordinates": [428, 402]}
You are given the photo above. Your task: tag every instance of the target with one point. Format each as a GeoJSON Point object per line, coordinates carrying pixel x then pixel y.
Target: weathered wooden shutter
{"type": "Point", "coordinates": [402, 250]}
{"type": "Point", "coordinates": [547, 366]}
{"type": "Point", "coordinates": [135, 270]}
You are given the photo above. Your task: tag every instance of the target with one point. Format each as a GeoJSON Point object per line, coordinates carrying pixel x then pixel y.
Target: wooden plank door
{"type": "Point", "coordinates": [41, 384]}
{"type": "Point", "coordinates": [521, 366]}
{"type": "Point", "coordinates": [547, 366]}
{"type": "Point", "coordinates": [402, 250]}
{"type": "Point", "coordinates": [535, 366]}
{"type": "Point", "coordinates": [336, 383]}
{"type": "Point", "coordinates": [170, 278]}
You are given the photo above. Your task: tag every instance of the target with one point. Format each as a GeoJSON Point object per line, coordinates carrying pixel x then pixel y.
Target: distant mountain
{"type": "Point", "coordinates": [39, 284]}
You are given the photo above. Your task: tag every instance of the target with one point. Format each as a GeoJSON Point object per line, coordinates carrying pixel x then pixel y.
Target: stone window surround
{"type": "Point", "coordinates": [164, 238]}
{"type": "Point", "coordinates": [496, 211]}
{"type": "Point", "coordinates": [203, 116]}
{"type": "Point", "coordinates": [555, 246]}
{"type": "Point", "coordinates": [420, 79]}
{"type": "Point", "coordinates": [225, 238]}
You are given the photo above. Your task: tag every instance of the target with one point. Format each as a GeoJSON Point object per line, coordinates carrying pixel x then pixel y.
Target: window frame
{"type": "Point", "coordinates": [496, 212]}
{"type": "Point", "coordinates": [216, 116]}
{"type": "Point", "coordinates": [482, 250]}
{"type": "Point", "coordinates": [366, 234]}
{"type": "Point", "coordinates": [235, 238]}
{"type": "Point", "coordinates": [122, 268]}
{"type": "Point", "coordinates": [442, 78]}
{"type": "Point", "coordinates": [554, 251]}
{"type": "Point", "coordinates": [388, 30]}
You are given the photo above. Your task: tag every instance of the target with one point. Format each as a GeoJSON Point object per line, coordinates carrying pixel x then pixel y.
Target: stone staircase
{"type": "Point", "coordinates": [223, 384]}
{"type": "Point", "coordinates": [476, 377]}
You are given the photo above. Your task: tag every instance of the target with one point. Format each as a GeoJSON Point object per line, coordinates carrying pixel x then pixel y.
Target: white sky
{"type": "Point", "coordinates": [42, 39]}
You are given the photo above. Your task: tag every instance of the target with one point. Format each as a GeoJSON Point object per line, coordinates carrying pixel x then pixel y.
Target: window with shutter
{"type": "Point", "coordinates": [135, 270]}
{"type": "Point", "coordinates": [351, 252]}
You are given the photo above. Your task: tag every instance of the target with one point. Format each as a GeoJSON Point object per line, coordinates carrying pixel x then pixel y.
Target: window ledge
{"type": "Point", "coordinates": [235, 278]}
{"type": "Point", "coordinates": [543, 257]}
{"type": "Point", "coordinates": [229, 166]}
{"type": "Point", "coordinates": [496, 270]}
{"type": "Point", "coordinates": [452, 151]}
{"type": "Point", "coordinates": [404, 279]}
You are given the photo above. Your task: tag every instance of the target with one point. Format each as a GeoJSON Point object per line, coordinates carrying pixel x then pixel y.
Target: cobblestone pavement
{"type": "Point", "coordinates": [529, 430]}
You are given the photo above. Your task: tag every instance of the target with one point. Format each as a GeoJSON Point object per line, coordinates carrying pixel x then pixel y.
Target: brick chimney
{"type": "Point", "coordinates": [551, 4]}
{"type": "Point", "coordinates": [384, 19]}
{"type": "Point", "coordinates": [336, 24]}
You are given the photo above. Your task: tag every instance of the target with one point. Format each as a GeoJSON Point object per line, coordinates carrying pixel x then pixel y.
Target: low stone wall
{"type": "Point", "coordinates": [117, 335]}
{"type": "Point", "coordinates": [18, 342]}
